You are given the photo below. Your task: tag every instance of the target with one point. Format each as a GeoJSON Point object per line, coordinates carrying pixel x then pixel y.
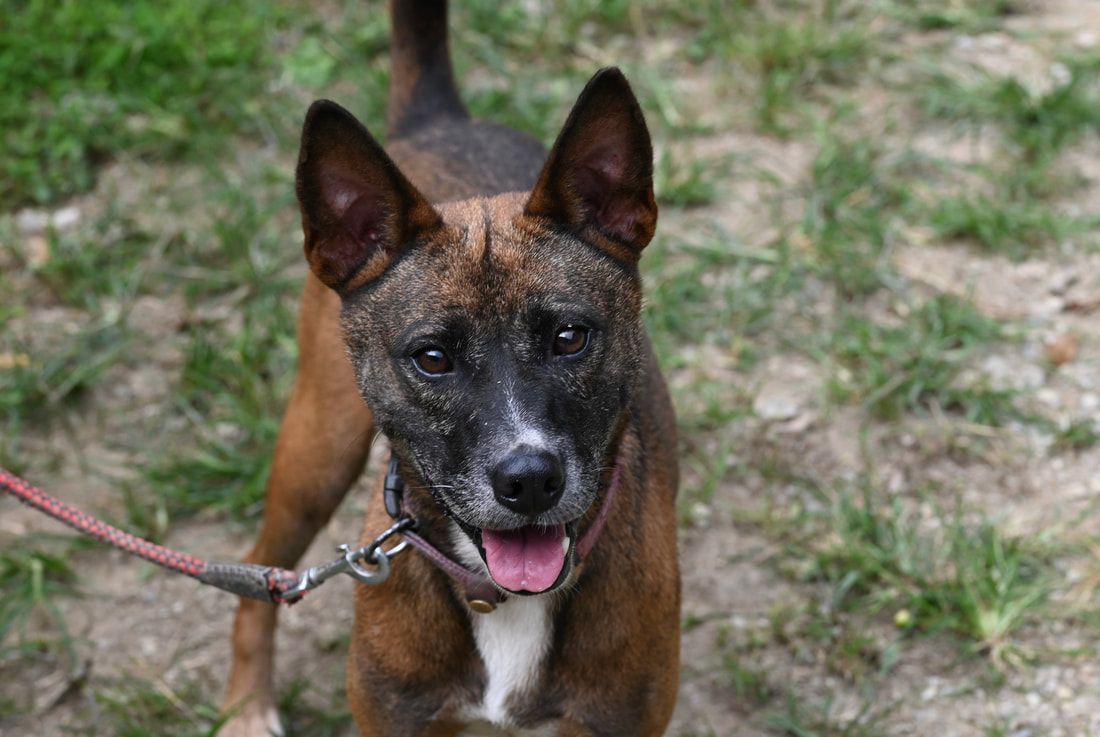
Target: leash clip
{"type": "Point", "coordinates": [348, 562]}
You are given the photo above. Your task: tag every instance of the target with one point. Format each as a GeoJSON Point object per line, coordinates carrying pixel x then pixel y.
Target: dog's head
{"type": "Point", "coordinates": [496, 340]}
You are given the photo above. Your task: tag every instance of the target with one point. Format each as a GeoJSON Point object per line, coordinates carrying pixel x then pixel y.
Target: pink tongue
{"type": "Point", "coordinates": [527, 559]}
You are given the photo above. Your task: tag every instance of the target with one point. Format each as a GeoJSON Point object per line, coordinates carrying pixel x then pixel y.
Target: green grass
{"type": "Point", "coordinates": [119, 76]}
{"type": "Point", "coordinates": [792, 55]}
{"type": "Point", "coordinates": [970, 16]}
{"type": "Point", "coordinates": [97, 267]}
{"type": "Point", "coordinates": [49, 378]}
{"type": "Point", "coordinates": [135, 707]}
{"type": "Point", "coordinates": [238, 365]}
{"type": "Point", "coordinates": [750, 685]}
{"type": "Point", "coordinates": [687, 182]}
{"type": "Point", "coordinates": [305, 718]}
{"type": "Point", "coordinates": [853, 207]}
{"type": "Point", "coordinates": [801, 719]}
{"type": "Point", "coordinates": [232, 386]}
{"type": "Point", "coordinates": [964, 577]}
{"type": "Point", "coordinates": [713, 291]}
{"type": "Point", "coordinates": [1037, 124]}
{"type": "Point", "coordinates": [31, 578]}
{"type": "Point", "coordinates": [1002, 224]}
{"type": "Point", "coordinates": [1077, 436]}
{"type": "Point", "coordinates": [914, 364]}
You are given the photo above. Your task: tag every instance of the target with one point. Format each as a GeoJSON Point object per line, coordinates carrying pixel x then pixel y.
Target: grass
{"type": "Point", "coordinates": [799, 719]}
{"type": "Point", "coordinates": [32, 577]}
{"type": "Point", "coordinates": [749, 685]}
{"type": "Point", "coordinates": [231, 385]}
{"type": "Point", "coordinates": [47, 379]}
{"type": "Point", "coordinates": [121, 76]}
{"type": "Point", "coordinates": [1077, 436]}
{"type": "Point", "coordinates": [853, 203]}
{"type": "Point", "coordinates": [916, 363]}
{"type": "Point", "coordinates": [793, 55]}
{"type": "Point", "coordinates": [684, 181]}
{"type": "Point", "coordinates": [1014, 212]}
{"type": "Point", "coordinates": [134, 707]}
{"type": "Point", "coordinates": [1003, 225]}
{"type": "Point", "coordinates": [305, 718]}
{"type": "Point", "coordinates": [948, 575]}
{"type": "Point", "coordinates": [968, 16]}
{"type": "Point", "coordinates": [1038, 124]}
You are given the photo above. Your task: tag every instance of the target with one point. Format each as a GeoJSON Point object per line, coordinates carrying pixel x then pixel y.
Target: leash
{"type": "Point", "coordinates": [280, 585]}
{"type": "Point", "coordinates": [265, 583]}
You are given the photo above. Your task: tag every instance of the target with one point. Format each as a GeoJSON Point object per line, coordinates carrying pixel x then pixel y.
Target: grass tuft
{"type": "Point", "coordinates": [798, 719]}
{"type": "Point", "coordinates": [1003, 225]}
{"type": "Point", "coordinates": [970, 16]}
{"type": "Point", "coordinates": [791, 56]}
{"type": "Point", "coordinates": [1039, 124]}
{"type": "Point", "coordinates": [916, 364]}
{"type": "Point", "coordinates": [31, 578]}
{"type": "Point", "coordinates": [116, 76]}
{"type": "Point", "coordinates": [136, 707]}
{"type": "Point", "coordinates": [852, 205]}
{"type": "Point", "coordinates": [944, 575]}
{"type": "Point", "coordinates": [232, 385]}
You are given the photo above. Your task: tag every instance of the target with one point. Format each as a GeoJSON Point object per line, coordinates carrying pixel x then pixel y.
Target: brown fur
{"type": "Point", "coordinates": [381, 251]}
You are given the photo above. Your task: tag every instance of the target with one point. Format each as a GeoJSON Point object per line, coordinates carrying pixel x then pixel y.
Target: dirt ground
{"type": "Point", "coordinates": [167, 631]}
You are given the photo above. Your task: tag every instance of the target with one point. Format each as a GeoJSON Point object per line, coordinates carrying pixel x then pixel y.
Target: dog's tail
{"type": "Point", "coordinates": [422, 83]}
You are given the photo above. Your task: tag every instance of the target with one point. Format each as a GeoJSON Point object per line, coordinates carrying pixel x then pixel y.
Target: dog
{"type": "Point", "coordinates": [477, 300]}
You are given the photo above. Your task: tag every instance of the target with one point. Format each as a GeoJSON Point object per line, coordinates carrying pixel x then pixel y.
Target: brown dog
{"type": "Point", "coordinates": [491, 314]}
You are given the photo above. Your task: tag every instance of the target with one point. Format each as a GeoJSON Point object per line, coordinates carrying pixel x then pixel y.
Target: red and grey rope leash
{"type": "Point", "coordinates": [266, 583]}
{"type": "Point", "coordinates": [279, 585]}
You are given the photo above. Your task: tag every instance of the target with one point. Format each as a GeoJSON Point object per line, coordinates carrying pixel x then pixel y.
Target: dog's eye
{"type": "Point", "coordinates": [432, 361]}
{"type": "Point", "coordinates": [570, 340]}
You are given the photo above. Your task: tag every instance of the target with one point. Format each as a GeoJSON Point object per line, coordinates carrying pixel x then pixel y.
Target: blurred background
{"type": "Point", "coordinates": [874, 292]}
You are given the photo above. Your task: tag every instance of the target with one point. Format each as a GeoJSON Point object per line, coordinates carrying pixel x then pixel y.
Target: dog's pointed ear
{"type": "Point", "coordinates": [598, 178]}
{"type": "Point", "coordinates": [358, 209]}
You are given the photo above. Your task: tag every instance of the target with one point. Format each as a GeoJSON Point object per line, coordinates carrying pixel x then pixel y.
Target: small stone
{"type": "Point", "coordinates": [701, 514]}
{"type": "Point", "coordinates": [1062, 282]}
{"type": "Point", "coordinates": [37, 251]}
{"type": "Point", "coordinates": [775, 409]}
{"type": "Point", "coordinates": [799, 424]}
{"type": "Point", "coordinates": [65, 218]}
{"type": "Point", "coordinates": [10, 361]}
{"type": "Point", "coordinates": [1048, 396]}
{"type": "Point", "coordinates": [1062, 349]}
{"type": "Point", "coordinates": [31, 221]}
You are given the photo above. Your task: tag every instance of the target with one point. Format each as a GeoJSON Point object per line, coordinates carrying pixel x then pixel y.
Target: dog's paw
{"type": "Point", "coordinates": [253, 721]}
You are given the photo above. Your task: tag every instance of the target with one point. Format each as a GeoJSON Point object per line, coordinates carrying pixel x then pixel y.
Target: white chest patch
{"type": "Point", "coordinates": [512, 642]}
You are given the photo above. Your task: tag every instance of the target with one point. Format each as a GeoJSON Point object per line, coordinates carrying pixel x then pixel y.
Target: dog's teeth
{"type": "Point", "coordinates": [565, 544]}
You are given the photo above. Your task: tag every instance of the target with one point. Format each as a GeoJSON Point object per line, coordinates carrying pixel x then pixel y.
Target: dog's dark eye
{"type": "Point", "coordinates": [570, 340]}
{"type": "Point", "coordinates": [432, 361]}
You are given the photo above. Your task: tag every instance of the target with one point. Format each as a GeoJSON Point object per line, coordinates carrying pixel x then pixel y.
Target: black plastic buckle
{"type": "Point", "coordinates": [393, 489]}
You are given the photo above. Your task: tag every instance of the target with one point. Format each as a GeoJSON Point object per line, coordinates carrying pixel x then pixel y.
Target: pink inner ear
{"type": "Point", "coordinates": [362, 215]}
{"type": "Point", "coordinates": [364, 220]}
{"type": "Point", "coordinates": [598, 183]}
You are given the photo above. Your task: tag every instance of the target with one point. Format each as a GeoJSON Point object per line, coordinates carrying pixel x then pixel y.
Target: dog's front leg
{"type": "Point", "coordinates": [322, 447]}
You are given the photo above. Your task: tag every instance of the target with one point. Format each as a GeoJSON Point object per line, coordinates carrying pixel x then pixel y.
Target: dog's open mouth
{"type": "Point", "coordinates": [534, 558]}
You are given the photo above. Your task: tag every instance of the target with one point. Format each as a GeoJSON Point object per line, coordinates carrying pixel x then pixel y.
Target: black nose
{"type": "Point", "coordinates": [528, 481]}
